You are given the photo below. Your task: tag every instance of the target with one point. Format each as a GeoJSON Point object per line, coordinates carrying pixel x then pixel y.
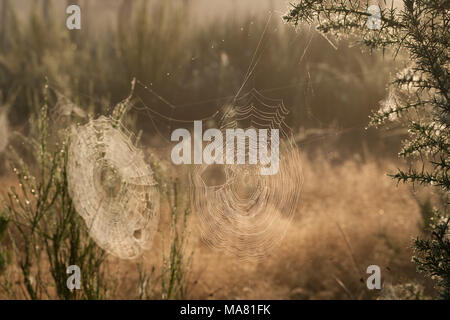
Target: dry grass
{"type": "Point", "coordinates": [351, 216]}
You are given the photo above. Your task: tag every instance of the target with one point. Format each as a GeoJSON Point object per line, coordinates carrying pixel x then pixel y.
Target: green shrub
{"type": "Point", "coordinates": [418, 96]}
{"type": "Point", "coordinates": [46, 232]}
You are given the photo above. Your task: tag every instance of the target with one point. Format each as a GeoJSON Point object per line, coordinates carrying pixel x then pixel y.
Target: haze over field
{"type": "Point", "coordinates": [138, 70]}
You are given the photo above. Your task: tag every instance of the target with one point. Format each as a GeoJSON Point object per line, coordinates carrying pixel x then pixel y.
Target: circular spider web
{"type": "Point", "coordinates": [112, 188]}
{"type": "Point", "coordinates": [240, 210]}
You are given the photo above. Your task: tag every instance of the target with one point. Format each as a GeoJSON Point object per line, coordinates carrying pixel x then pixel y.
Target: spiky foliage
{"type": "Point", "coordinates": [177, 254]}
{"type": "Point", "coordinates": [177, 262]}
{"type": "Point", "coordinates": [45, 232]}
{"type": "Point", "coordinates": [433, 256]}
{"type": "Point", "coordinates": [418, 96]}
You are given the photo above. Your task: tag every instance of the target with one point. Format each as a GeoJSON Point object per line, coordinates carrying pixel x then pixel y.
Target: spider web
{"type": "Point", "coordinates": [240, 210]}
{"type": "Point", "coordinates": [247, 213]}
{"type": "Point", "coordinates": [112, 188]}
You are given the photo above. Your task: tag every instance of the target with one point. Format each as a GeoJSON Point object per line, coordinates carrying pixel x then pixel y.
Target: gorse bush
{"type": "Point", "coordinates": [417, 98]}
{"type": "Point", "coordinates": [433, 256]}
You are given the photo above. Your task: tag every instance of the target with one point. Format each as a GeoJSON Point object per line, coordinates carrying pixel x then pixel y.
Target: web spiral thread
{"type": "Point", "coordinates": [113, 188]}
{"type": "Point", "coordinates": [244, 212]}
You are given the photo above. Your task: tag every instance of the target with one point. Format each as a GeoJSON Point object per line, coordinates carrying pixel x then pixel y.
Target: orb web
{"type": "Point", "coordinates": [112, 188]}
{"type": "Point", "coordinates": [240, 210]}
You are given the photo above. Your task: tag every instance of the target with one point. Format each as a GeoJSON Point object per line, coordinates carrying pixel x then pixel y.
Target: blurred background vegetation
{"type": "Point", "coordinates": [195, 55]}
